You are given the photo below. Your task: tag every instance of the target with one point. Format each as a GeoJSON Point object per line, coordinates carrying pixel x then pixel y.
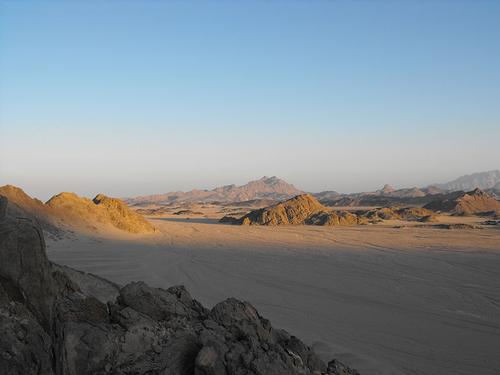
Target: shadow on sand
{"type": "Point", "coordinates": [197, 220]}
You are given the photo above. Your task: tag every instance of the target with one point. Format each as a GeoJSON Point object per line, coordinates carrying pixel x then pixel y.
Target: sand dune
{"type": "Point", "coordinates": [412, 300]}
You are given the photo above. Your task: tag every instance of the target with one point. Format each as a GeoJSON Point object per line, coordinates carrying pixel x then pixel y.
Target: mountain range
{"type": "Point", "coordinates": [276, 189]}
{"type": "Point", "coordinates": [264, 188]}
{"type": "Point", "coordinates": [482, 180]}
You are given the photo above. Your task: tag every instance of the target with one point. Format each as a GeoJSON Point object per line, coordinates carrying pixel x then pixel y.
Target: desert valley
{"type": "Point", "coordinates": [249, 187]}
{"type": "Point", "coordinates": [395, 281]}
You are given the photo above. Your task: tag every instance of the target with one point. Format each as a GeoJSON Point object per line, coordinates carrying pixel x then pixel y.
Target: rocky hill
{"type": "Point", "coordinates": [121, 216]}
{"type": "Point", "coordinates": [481, 180]}
{"type": "Point", "coordinates": [52, 322]}
{"type": "Point", "coordinates": [68, 211]}
{"type": "Point", "coordinates": [400, 213]}
{"type": "Point", "coordinates": [302, 209]}
{"type": "Point", "coordinates": [460, 203]}
{"type": "Point", "coordinates": [22, 205]}
{"type": "Point", "coordinates": [307, 210]}
{"type": "Point", "coordinates": [386, 197]}
{"type": "Point", "coordinates": [83, 213]}
{"type": "Point", "coordinates": [293, 211]}
{"type": "Point", "coordinates": [264, 188]}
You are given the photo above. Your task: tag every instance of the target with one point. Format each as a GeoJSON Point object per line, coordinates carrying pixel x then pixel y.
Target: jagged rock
{"type": "Point", "coordinates": [302, 209]}
{"type": "Point", "coordinates": [121, 216]}
{"type": "Point", "coordinates": [52, 323]}
{"type": "Point", "coordinates": [292, 211]}
{"type": "Point", "coordinates": [102, 289]}
{"type": "Point", "coordinates": [159, 304]}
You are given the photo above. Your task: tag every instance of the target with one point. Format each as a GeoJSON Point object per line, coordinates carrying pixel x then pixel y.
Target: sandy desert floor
{"type": "Point", "coordinates": [385, 300]}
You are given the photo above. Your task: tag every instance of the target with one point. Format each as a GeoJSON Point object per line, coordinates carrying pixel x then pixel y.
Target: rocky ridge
{"type": "Point", "coordinates": [69, 212]}
{"type": "Point", "coordinates": [302, 209]}
{"type": "Point", "coordinates": [480, 180]}
{"type": "Point", "coordinates": [263, 188]}
{"type": "Point", "coordinates": [470, 203]}
{"type": "Point", "coordinates": [307, 210]}
{"type": "Point", "coordinates": [52, 323]}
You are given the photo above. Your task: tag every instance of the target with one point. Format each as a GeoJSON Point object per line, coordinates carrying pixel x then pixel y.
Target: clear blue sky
{"type": "Point", "coordinates": [136, 97]}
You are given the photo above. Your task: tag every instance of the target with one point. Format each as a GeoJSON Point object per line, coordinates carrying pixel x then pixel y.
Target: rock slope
{"type": "Point", "coordinates": [302, 209]}
{"type": "Point", "coordinates": [68, 211]}
{"type": "Point", "coordinates": [306, 209]}
{"type": "Point", "coordinates": [401, 213]}
{"type": "Point", "coordinates": [470, 203]}
{"type": "Point", "coordinates": [51, 323]}
{"type": "Point", "coordinates": [121, 216]}
{"type": "Point", "coordinates": [22, 205]}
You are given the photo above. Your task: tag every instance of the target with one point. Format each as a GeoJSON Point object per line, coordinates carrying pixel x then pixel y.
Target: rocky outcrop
{"type": "Point", "coordinates": [305, 209]}
{"type": "Point", "coordinates": [335, 218]}
{"type": "Point", "coordinates": [227, 219]}
{"type": "Point", "coordinates": [473, 202]}
{"type": "Point", "coordinates": [293, 211]}
{"type": "Point", "coordinates": [400, 213]}
{"type": "Point", "coordinates": [51, 322]}
{"type": "Point", "coordinates": [69, 212]}
{"type": "Point", "coordinates": [22, 205]}
{"type": "Point", "coordinates": [121, 216]}
{"type": "Point", "coordinates": [302, 209]}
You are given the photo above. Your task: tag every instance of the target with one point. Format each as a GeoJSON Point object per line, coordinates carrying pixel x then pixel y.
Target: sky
{"type": "Point", "coordinates": [140, 97]}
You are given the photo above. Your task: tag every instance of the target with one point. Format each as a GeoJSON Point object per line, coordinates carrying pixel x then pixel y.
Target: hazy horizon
{"type": "Point", "coordinates": [92, 193]}
{"type": "Point", "coordinates": [136, 98]}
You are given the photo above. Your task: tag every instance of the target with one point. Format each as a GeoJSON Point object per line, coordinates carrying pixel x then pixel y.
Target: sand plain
{"type": "Point", "coordinates": [387, 299]}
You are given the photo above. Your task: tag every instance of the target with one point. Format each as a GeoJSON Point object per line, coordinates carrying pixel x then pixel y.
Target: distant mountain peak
{"type": "Point", "coordinates": [270, 179]}
{"type": "Point", "coordinates": [387, 189]}
{"type": "Point", "coordinates": [264, 188]}
{"type": "Point", "coordinates": [483, 180]}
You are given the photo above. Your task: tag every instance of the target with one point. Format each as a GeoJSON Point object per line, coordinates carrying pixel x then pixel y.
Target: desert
{"type": "Point", "coordinates": [385, 290]}
{"type": "Point", "coordinates": [250, 187]}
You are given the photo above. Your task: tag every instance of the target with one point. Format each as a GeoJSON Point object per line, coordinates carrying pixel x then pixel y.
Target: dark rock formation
{"type": "Point", "coordinates": [51, 322]}
{"type": "Point", "coordinates": [229, 220]}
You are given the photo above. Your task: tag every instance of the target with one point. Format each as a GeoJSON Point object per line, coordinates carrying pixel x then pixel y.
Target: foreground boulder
{"type": "Point", "coordinates": [52, 323]}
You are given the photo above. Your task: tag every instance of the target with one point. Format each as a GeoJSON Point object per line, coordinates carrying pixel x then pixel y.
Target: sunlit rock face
{"type": "Point", "coordinates": [68, 212]}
